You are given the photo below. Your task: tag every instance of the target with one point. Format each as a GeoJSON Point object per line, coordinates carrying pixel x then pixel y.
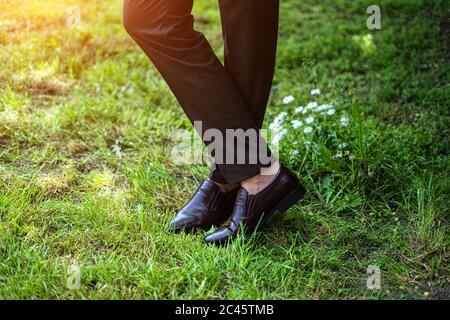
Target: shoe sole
{"type": "Point", "coordinates": [290, 200]}
{"type": "Point", "coordinates": [189, 230]}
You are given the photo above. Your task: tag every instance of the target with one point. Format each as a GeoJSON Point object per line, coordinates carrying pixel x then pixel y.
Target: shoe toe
{"type": "Point", "coordinates": [187, 223]}
{"type": "Point", "coordinates": [221, 237]}
{"type": "Point", "coordinates": [179, 223]}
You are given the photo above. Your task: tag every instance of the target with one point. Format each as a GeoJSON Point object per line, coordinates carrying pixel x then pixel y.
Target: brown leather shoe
{"type": "Point", "coordinates": [208, 207]}
{"type": "Point", "coordinates": [250, 210]}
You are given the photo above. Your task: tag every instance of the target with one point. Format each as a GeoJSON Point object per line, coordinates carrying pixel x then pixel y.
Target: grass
{"type": "Point", "coordinates": [86, 176]}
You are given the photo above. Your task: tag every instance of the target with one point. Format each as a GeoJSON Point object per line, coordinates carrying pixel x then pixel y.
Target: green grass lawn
{"type": "Point", "coordinates": [86, 176]}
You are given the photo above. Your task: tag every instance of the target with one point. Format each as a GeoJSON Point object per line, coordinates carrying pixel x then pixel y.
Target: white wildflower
{"type": "Point", "coordinates": [288, 99]}
{"type": "Point", "coordinates": [274, 127]}
{"type": "Point", "coordinates": [282, 115]}
{"type": "Point", "coordinates": [315, 92]}
{"type": "Point", "coordinates": [300, 110]}
{"type": "Point", "coordinates": [308, 130]}
{"type": "Point", "coordinates": [318, 109]}
{"type": "Point", "coordinates": [342, 145]}
{"type": "Point", "coordinates": [307, 143]}
{"type": "Point", "coordinates": [351, 157]}
{"type": "Point", "coordinates": [294, 153]}
{"type": "Point", "coordinates": [323, 108]}
{"type": "Point", "coordinates": [311, 105]}
{"type": "Point", "coordinates": [117, 150]}
{"type": "Point", "coordinates": [309, 120]}
{"type": "Point", "coordinates": [344, 121]}
{"type": "Point", "coordinates": [277, 123]}
{"type": "Point", "coordinates": [296, 124]}
{"type": "Point", "coordinates": [339, 155]}
{"type": "Point", "coordinates": [278, 137]}
{"type": "Point", "coordinates": [331, 112]}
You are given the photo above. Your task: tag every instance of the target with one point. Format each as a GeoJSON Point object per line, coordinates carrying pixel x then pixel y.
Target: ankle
{"type": "Point", "coordinates": [225, 187]}
{"type": "Point", "coordinates": [257, 183]}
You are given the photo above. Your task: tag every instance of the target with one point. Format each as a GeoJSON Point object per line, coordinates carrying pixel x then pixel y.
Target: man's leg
{"type": "Point", "coordinates": [250, 32]}
{"type": "Point", "coordinates": [205, 90]}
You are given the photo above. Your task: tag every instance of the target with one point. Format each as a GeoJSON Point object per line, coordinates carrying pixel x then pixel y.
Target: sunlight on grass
{"type": "Point", "coordinates": [86, 174]}
{"type": "Point", "coordinates": [365, 43]}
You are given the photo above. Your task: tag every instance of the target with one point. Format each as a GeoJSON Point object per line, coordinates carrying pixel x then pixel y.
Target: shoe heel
{"type": "Point", "coordinates": [291, 199]}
